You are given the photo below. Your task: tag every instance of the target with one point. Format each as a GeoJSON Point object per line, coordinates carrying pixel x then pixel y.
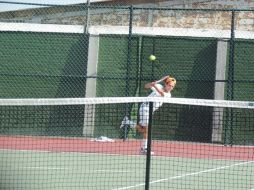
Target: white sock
{"type": "Point", "coordinates": [144, 143]}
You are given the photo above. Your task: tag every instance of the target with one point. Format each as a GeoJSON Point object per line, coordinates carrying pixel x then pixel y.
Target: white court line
{"type": "Point", "coordinates": [44, 168]}
{"type": "Point", "coordinates": [88, 171]}
{"type": "Point", "coordinates": [184, 175]}
{"type": "Point", "coordinates": [112, 171]}
{"type": "Point", "coordinates": [82, 153]}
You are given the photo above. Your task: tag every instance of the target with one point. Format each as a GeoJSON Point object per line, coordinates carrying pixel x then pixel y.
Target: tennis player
{"type": "Point", "coordinates": [158, 90]}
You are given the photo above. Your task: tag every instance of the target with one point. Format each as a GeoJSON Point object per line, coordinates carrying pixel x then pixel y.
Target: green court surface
{"type": "Point", "coordinates": [31, 169]}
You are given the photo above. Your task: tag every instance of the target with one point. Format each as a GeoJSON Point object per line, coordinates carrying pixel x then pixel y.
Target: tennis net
{"type": "Point", "coordinates": [77, 143]}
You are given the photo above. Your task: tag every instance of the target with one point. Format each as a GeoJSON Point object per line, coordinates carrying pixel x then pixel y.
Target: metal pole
{"type": "Point", "coordinates": [127, 79]}
{"type": "Point", "coordinates": [231, 69]}
{"type": "Point", "coordinates": [129, 51]}
{"type": "Point", "coordinates": [87, 17]}
{"type": "Point", "coordinates": [149, 145]}
{"type": "Point", "coordinates": [230, 86]}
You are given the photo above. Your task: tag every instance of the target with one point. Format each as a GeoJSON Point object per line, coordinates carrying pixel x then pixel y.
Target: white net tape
{"type": "Point", "coordinates": [110, 100]}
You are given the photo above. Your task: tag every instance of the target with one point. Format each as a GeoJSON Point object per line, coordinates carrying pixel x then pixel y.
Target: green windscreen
{"type": "Point", "coordinates": [243, 70]}
{"type": "Point", "coordinates": [192, 61]}
{"type": "Point", "coordinates": [118, 74]}
{"type": "Point", "coordinates": [243, 90]}
{"type": "Point", "coordinates": [43, 65]}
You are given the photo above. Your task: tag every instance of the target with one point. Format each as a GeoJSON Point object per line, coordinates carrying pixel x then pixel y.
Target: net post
{"type": "Point", "coordinates": [149, 143]}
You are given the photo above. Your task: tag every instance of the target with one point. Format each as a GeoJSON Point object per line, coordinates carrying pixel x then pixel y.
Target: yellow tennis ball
{"type": "Point", "coordinates": [152, 58]}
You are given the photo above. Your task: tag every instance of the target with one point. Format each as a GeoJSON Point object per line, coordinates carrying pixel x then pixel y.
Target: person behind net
{"type": "Point", "coordinates": [158, 90]}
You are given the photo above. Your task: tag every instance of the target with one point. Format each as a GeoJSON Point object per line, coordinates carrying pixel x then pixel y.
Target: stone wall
{"type": "Point", "coordinates": [146, 18]}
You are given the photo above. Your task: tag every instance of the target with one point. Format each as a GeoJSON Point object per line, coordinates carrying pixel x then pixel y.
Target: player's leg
{"type": "Point", "coordinates": [143, 128]}
{"type": "Point", "coordinates": [143, 131]}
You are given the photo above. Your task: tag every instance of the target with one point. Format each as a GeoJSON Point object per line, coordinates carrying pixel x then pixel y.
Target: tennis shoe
{"type": "Point", "coordinates": [143, 151]}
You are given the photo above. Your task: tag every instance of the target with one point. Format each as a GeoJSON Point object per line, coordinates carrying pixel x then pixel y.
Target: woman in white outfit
{"type": "Point", "coordinates": [158, 90]}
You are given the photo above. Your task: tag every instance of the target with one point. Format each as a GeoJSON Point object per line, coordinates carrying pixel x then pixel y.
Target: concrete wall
{"type": "Point", "coordinates": [146, 18]}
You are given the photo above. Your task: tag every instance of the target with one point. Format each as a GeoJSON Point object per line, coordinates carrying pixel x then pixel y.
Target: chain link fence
{"type": "Point", "coordinates": [188, 44]}
{"type": "Point", "coordinates": [102, 50]}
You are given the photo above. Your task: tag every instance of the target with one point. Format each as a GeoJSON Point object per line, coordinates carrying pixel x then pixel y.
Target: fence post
{"type": "Point", "coordinates": [129, 51]}
{"type": "Point", "coordinates": [230, 86]}
{"type": "Point", "coordinates": [87, 17]}
{"type": "Point", "coordinates": [127, 79]}
{"type": "Point", "coordinates": [149, 145]}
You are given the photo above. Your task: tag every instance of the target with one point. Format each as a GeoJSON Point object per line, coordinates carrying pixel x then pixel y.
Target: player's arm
{"type": "Point", "coordinates": [159, 90]}
{"type": "Point", "coordinates": [162, 79]}
{"type": "Point", "coordinates": [153, 85]}
{"type": "Point", "coordinates": [150, 85]}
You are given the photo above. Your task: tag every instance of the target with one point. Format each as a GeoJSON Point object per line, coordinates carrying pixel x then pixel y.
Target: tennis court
{"type": "Point", "coordinates": [62, 65]}
{"type": "Point", "coordinates": [76, 163]}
